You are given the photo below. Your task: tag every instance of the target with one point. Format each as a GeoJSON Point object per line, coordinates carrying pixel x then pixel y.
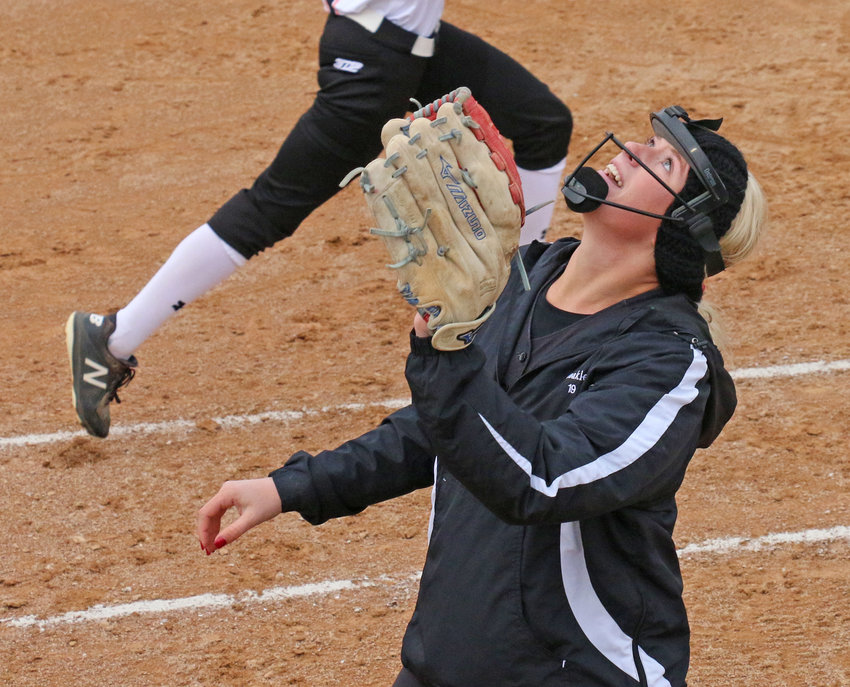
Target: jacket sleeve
{"type": "Point", "coordinates": [390, 460]}
{"type": "Point", "coordinates": [624, 440]}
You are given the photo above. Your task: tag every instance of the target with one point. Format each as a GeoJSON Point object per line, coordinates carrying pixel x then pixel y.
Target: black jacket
{"type": "Point", "coordinates": [551, 558]}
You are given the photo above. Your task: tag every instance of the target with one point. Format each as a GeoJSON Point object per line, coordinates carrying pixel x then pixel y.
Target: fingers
{"type": "Point", "coordinates": [420, 327]}
{"type": "Point", "coordinates": [256, 501]}
{"type": "Point", "coordinates": [209, 519]}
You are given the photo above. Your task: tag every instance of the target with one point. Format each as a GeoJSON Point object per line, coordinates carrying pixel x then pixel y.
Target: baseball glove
{"type": "Point", "coordinates": [449, 207]}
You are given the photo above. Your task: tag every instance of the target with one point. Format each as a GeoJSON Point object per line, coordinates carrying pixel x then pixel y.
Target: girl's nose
{"type": "Point", "coordinates": [632, 151]}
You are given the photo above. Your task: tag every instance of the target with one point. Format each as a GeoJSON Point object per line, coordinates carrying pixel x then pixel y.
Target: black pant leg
{"type": "Point", "coordinates": [405, 677]}
{"type": "Point", "coordinates": [523, 108]}
{"type": "Point", "coordinates": [339, 132]}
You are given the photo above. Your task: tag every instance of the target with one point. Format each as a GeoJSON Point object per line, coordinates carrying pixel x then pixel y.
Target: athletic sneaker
{"type": "Point", "coordinates": [96, 373]}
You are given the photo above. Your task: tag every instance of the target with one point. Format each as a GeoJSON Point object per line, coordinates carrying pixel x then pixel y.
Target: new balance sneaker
{"type": "Point", "coordinates": [96, 373]}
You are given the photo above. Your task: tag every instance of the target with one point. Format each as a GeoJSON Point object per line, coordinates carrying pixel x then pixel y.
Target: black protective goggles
{"type": "Point", "coordinates": [584, 193]}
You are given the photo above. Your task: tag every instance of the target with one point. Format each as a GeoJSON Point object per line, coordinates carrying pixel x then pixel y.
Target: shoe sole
{"type": "Point", "coordinates": [69, 343]}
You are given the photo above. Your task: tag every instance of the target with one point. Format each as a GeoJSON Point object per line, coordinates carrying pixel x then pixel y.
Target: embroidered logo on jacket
{"type": "Point", "coordinates": [577, 376]}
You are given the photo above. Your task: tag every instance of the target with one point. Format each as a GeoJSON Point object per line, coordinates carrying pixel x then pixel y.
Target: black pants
{"type": "Point", "coordinates": [341, 130]}
{"type": "Point", "coordinates": [407, 679]}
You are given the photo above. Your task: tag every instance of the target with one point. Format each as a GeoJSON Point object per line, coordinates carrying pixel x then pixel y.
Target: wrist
{"type": "Point", "coordinates": [421, 345]}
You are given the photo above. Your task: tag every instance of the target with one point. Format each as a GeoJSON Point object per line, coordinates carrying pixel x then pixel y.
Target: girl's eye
{"type": "Point", "coordinates": [668, 164]}
{"type": "Point", "coordinates": [651, 142]}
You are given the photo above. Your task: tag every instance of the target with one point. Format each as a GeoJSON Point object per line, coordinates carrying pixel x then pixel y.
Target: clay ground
{"type": "Point", "coordinates": [123, 126]}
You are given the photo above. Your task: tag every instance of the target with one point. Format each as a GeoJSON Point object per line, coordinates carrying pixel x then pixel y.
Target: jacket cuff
{"type": "Point", "coordinates": [291, 484]}
{"type": "Point", "coordinates": [421, 345]}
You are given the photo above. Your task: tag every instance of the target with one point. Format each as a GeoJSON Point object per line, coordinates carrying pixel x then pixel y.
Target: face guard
{"type": "Point", "coordinates": [584, 190]}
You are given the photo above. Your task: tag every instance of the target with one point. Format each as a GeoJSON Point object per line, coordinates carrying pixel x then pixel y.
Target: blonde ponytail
{"type": "Point", "coordinates": [735, 245]}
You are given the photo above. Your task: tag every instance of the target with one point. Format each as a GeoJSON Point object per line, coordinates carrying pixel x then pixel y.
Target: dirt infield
{"type": "Point", "coordinates": [124, 125]}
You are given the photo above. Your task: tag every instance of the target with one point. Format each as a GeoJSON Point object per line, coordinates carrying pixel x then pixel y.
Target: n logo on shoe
{"type": "Point", "coordinates": [97, 370]}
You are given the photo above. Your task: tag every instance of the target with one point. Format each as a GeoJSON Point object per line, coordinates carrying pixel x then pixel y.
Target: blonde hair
{"type": "Point", "coordinates": [735, 245]}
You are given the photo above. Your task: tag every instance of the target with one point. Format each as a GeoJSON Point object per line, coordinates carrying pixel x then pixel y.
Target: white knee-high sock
{"type": "Point", "coordinates": [199, 262]}
{"type": "Point", "coordinates": [538, 186]}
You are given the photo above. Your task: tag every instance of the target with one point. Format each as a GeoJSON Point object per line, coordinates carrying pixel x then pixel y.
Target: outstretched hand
{"type": "Point", "coordinates": [256, 500]}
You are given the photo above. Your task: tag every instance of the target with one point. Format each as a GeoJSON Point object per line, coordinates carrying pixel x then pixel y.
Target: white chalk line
{"type": "Point", "coordinates": [225, 422]}
{"type": "Point", "coordinates": [791, 370]}
{"type": "Point", "coordinates": [213, 602]}
{"type": "Point", "coordinates": [223, 601]}
{"type": "Point", "coordinates": [236, 421]}
{"type": "Point", "coordinates": [768, 541]}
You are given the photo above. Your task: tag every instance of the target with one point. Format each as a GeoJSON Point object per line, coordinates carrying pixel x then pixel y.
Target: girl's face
{"type": "Point", "coordinates": [630, 184]}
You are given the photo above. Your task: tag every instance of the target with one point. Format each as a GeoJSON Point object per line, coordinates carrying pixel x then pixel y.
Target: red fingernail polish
{"type": "Point", "coordinates": [219, 542]}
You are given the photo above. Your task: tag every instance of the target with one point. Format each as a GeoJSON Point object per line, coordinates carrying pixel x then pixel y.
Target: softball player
{"type": "Point", "coordinates": [561, 436]}
{"type": "Point", "coordinates": [374, 55]}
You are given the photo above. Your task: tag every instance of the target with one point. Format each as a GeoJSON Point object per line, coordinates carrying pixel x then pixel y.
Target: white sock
{"type": "Point", "coordinates": [201, 261]}
{"type": "Point", "coordinates": [538, 186]}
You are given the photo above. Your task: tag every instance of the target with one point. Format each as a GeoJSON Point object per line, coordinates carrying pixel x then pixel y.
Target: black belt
{"type": "Point", "coordinates": [392, 35]}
